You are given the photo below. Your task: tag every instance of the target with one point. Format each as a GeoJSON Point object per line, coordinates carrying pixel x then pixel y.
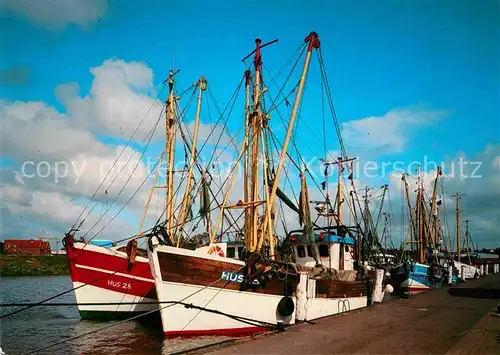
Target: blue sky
{"type": "Point", "coordinates": [379, 55]}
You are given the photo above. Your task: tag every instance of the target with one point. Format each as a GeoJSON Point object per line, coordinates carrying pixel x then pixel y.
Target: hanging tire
{"type": "Point", "coordinates": [286, 306]}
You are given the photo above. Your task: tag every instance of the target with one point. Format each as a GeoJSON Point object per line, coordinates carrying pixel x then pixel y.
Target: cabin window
{"type": "Point", "coordinates": [323, 250]}
{"type": "Point", "coordinates": [301, 251]}
{"type": "Point", "coordinates": [231, 252]}
{"type": "Point", "coordinates": [240, 251]}
{"type": "Point", "coordinates": [309, 251]}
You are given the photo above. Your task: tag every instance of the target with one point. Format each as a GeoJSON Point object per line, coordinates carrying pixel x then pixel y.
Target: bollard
{"type": "Point", "coordinates": [302, 296]}
{"type": "Point", "coordinates": [378, 293]}
{"type": "Point", "coordinates": [481, 269]}
{"type": "Point", "coordinates": [486, 269]}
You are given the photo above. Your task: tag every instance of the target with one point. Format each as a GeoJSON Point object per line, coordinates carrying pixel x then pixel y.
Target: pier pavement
{"type": "Point", "coordinates": [429, 323]}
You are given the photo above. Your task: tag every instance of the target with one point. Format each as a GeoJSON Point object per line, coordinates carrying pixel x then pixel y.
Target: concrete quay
{"type": "Point", "coordinates": [433, 322]}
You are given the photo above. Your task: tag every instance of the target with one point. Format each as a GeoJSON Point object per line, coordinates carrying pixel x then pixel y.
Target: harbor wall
{"type": "Point", "coordinates": [25, 265]}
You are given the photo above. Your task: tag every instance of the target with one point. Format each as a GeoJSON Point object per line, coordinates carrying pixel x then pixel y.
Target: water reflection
{"type": "Point", "coordinates": [42, 326]}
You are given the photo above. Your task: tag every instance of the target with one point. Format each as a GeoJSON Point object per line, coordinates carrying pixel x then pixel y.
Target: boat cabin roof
{"type": "Point", "coordinates": [327, 237]}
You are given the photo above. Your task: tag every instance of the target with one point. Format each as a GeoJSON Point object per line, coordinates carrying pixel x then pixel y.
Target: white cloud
{"type": "Point", "coordinates": [72, 162]}
{"type": "Point", "coordinates": [59, 161]}
{"type": "Point", "coordinates": [57, 14]}
{"type": "Point", "coordinates": [33, 130]}
{"type": "Point", "coordinates": [392, 130]}
{"type": "Point", "coordinates": [476, 177]}
{"type": "Point", "coordinates": [121, 96]}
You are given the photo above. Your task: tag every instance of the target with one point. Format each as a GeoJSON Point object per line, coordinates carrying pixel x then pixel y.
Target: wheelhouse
{"type": "Point", "coordinates": [334, 251]}
{"type": "Point", "coordinates": [235, 250]}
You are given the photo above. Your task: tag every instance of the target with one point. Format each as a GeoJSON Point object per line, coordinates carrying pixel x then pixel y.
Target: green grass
{"type": "Point", "coordinates": [43, 265]}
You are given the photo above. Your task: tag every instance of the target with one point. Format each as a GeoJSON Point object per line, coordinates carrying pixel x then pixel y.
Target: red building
{"type": "Point", "coordinates": [26, 247]}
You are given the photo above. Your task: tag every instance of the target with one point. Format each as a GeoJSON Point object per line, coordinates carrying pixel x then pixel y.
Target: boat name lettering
{"type": "Point", "coordinates": [118, 284]}
{"type": "Point", "coordinates": [234, 277]}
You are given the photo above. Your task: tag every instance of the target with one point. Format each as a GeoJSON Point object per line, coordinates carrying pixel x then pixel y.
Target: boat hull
{"type": "Point", "coordinates": [106, 288]}
{"type": "Point", "coordinates": [200, 295]}
{"type": "Point", "coordinates": [414, 278]}
{"type": "Point", "coordinates": [207, 289]}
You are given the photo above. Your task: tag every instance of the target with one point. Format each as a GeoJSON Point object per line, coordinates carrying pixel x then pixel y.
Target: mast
{"type": "Point", "coordinates": [386, 187]}
{"type": "Point", "coordinates": [467, 236]}
{"type": "Point", "coordinates": [314, 43]}
{"type": "Point", "coordinates": [420, 220]}
{"type": "Point", "coordinates": [385, 233]}
{"type": "Point", "coordinates": [246, 198]}
{"type": "Point", "coordinates": [433, 203]}
{"type": "Point", "coordinates": [339, 192]}
{"type": "Point", "coordinates": [202, 85]}
{"type": "Point", "coordinates": [410, 210]}
{"type": "Point", "coordinates": [169, 148]}
{"type": "Point", "coordinates": [437, 223]}
{"type": "Point", "coordinates": [458, 197]}
{"type": "Point", "coordinates": [251, 172]}
{"type": "Point", "coordinates": [340, 162]}
{"type": "Point", "coordinates": [366, 218]}
{"type": "Point", "coordinates": [256, 126]}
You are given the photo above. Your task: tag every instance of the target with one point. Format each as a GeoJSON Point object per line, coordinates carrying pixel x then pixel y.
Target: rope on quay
{"type": "Point", "coordinates": [249, 321]}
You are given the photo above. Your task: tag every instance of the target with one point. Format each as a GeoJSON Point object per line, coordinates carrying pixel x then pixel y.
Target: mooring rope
{"type": "Point", "coordinates": [245, 320]}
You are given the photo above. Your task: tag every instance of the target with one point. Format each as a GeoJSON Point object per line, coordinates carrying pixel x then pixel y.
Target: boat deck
{"type": "Point", "coordinates": [429, 323]}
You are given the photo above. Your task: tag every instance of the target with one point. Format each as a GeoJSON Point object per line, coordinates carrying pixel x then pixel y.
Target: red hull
{"type": "Point", "coordinates": [101, 275]}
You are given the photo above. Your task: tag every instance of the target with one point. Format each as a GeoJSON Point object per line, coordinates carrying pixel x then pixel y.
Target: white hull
{"type": "Point", "coordinates": [466, 271]}
{"type": "Point", "coordinates": [178, 319]}
{"type": "Point", "coordinates": [254, 310]}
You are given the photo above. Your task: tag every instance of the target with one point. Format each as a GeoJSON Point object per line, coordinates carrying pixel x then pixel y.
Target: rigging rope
{"type": "Point", "coordinates": [119, 193]}
{"type": "Point", "coordinates": [119, 156]}
{"type": "Point", "coordinates": [330, 100]}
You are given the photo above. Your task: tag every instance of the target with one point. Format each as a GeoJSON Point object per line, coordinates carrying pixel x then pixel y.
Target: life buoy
{"type": "Point", "coordinates": [216, 250]}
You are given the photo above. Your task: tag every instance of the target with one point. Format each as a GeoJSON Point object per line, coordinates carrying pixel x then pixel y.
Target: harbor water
{"type": "Point", "coordinates": [35, 328]}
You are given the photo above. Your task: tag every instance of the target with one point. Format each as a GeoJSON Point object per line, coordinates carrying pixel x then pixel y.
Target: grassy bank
{"type": "Point", "coordinates": [46, 265]}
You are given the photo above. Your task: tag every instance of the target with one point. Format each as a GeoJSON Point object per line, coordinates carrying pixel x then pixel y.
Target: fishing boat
{"type": "Point", "coordinates": [110, 282]}
{"type": "Point", "coordinates": [313, 272]}
{"type": "Point", "coordinates": [376, 245]}
{"type": "Point", "coordinates": [463, 264]}
{"type": "Point", "coordinates": [422, 268]}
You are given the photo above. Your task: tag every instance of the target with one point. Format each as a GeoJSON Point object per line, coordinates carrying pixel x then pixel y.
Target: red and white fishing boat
{"type": "Point", "coordinates": [110, 283]}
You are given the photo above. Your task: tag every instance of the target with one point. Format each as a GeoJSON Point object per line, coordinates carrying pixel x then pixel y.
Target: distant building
{"type": "Point", "coordinates": [59, 252]}
{"type": "Point", "coordinates": [26, 247]}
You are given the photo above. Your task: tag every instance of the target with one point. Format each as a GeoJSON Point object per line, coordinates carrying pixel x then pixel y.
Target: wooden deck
{"type": "Point", "coordinates": [429, 323]}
